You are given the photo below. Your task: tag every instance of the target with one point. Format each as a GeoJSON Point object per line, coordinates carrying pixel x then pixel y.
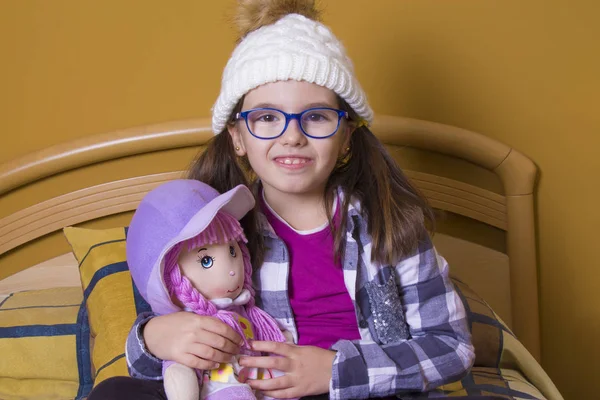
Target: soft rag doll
{"type": "Point", "coordinates": [186, 250]}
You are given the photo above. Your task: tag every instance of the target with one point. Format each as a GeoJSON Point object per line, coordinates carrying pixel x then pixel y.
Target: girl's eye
{"type": "Point", "coordinates": [267, 118]}
{"type": "Point", "coordinates": [232, 251]}
{"type": "Point", "coordinates": [206, 261]}
{"type": "Point", "coordinates": [316, 117]}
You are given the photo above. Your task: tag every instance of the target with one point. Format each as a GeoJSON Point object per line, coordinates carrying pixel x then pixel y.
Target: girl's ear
{"type": "Point", "coordinates": [348, 131]}
{"type": "Point", "coordinates": [236, 138]}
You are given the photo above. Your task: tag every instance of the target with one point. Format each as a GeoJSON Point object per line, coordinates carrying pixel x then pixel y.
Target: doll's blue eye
{"type": "Point", "coordinates": [232, 251]}
{"type": "Point", "coordinates": [206, 262]}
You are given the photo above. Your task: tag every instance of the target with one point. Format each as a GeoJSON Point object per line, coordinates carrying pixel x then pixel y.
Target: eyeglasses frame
{"type": "Point", "coordinates": [291, 116]}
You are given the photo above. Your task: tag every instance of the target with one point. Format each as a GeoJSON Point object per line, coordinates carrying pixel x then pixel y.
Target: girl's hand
{"type": "Point", "coordinates": [195, 341]}
{"type": "Point", "coordinates": [307, 369]}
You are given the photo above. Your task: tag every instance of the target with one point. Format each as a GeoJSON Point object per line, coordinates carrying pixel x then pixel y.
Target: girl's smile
{"type": "Point", "coordinates": [293, 163]}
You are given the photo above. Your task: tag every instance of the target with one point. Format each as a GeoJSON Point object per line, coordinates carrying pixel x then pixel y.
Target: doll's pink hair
{"type": "Point", "coordinates": [222, 229]}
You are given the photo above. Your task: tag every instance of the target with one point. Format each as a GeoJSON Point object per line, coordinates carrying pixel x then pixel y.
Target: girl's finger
{"type": "Point", "coordinates": [209, 353]}
{"type": "Point", "coordinates": [222, 329]}
{"type": "Point", "coordinates": [282, 349]}
{"type": "Point", "coordinates": [269, 362]}
{"type": "Point", "coordinates": [288, 393]}
{"type": "Point", "coordinates": [193, 361]}
{"type": "Point", "coordinates": [279, 383]}
{"type": "Point", "coordinates": [218, 342]}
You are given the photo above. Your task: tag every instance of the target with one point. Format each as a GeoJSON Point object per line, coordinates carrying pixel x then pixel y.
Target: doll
{"type": "Point", "coordinates": [186, 250]}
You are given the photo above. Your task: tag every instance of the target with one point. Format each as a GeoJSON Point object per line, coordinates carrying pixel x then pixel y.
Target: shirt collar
{"type": "Point", "coordinates": [353, 211]}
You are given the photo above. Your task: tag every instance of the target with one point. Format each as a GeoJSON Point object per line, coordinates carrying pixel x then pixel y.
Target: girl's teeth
{"type": "Point", "coordinates": [294, 161]}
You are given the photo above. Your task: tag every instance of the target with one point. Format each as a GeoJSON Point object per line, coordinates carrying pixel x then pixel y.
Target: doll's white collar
{"type": "Point", "coordinates": [243, 298]}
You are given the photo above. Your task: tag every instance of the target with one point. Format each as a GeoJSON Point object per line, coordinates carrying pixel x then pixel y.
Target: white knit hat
{"type": "Point", "coordinates": [294, 47]}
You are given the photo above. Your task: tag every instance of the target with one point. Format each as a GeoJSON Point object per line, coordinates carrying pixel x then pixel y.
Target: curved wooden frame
{"type": "Point", "coordinates": [512, 212]}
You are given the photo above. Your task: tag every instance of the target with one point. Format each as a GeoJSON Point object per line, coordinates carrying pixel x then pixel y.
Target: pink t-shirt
{"type": "Point", "coordinates": [322, 307]}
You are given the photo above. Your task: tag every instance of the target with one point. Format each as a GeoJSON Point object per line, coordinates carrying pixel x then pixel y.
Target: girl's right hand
{"type": "Point", "coordinates": [195, 341]}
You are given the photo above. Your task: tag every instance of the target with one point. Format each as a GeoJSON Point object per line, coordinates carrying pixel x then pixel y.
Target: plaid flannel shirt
{"type": "Point", "coordinates": [435, 350]}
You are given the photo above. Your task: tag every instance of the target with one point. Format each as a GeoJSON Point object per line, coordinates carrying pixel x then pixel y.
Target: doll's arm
{"type": "Point", "coordinates": [181, 382]}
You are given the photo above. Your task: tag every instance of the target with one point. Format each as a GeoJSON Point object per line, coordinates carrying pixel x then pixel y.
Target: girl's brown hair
{"type": "Point", "coordinates": [396, 212]}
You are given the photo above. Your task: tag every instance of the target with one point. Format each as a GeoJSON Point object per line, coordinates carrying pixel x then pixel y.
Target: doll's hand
{"type": "Point", "coordinates": [192, 340]}
{"type": "Point", "coordinates": [307, 369]}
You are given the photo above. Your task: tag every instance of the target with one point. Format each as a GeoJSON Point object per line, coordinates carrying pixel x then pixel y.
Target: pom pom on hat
{"type": "Point", "coordinates": [280, 43]}
{"type": "Point", "coordinates": [253, 14]}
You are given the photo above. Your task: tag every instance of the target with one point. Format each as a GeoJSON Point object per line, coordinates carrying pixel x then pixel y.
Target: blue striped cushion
{"type": "Point", "coordinates": [44, 345]}
{"type": "Point", "coordinates": [111, 301]}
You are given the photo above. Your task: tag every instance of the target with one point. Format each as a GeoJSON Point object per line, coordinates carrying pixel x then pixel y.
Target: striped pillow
{"type": "Point", "coordinates": [111, 301]}
{"type": "Point", "coordinates": [488, 331]}
{"type": "Point", "coordinates": [43, 345]}
{"type": "Point", "coordinates": [502, 364]}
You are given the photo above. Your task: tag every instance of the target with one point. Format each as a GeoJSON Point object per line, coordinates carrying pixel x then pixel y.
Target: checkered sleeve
{"type": "Point", "coordinates": [140, 363]}
{"type": "Point", "coordinates": [438, 350]}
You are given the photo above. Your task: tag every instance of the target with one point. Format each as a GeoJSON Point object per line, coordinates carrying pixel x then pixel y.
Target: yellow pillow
{"type": "Point", "coordinates": [43, 346]}
{"type": "Point", "coordinates": [111, 301]}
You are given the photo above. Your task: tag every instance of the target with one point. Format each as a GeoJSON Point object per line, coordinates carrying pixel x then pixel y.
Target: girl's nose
{"type": "Point", "coordinates": [293, 135]}
{"type": "Point", "coordinates": [231, 273]}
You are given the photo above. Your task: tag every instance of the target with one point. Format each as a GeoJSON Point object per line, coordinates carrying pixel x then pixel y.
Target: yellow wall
{"type": "Point", "coordinates": [525, 73]}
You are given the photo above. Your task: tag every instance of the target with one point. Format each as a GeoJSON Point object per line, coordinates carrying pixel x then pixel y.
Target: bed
{"type": "Point", "coordinates": [66, 297]}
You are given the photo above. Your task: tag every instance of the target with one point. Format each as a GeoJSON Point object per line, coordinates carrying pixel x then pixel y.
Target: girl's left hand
{"type": "Point", "coordinates": [307, 369]}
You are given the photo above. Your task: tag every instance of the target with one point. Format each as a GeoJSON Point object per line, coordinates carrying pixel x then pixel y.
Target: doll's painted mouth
{"type": "Point", "coordinates": [231, 291]}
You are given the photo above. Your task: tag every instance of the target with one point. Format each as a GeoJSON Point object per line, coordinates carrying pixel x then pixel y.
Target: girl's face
{"type": "Point", "coordinates": [216, 271]}
{"type": "Point", "coordinates": [292, 163]}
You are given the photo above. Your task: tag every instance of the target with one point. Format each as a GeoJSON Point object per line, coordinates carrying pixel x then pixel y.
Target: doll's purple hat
{"type": "Point", "coordinates": [171, 213]}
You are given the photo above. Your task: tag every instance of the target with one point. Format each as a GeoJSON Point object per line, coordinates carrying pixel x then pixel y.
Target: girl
{"type": "Point", "coordinates": [344, 259]}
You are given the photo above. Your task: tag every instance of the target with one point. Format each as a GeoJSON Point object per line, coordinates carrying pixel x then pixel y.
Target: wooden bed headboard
{"type": "Point", "coordinates": [484, 189]}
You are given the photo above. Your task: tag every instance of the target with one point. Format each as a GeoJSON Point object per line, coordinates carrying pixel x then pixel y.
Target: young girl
{"type": "Point", "coordinates": [341, 252]}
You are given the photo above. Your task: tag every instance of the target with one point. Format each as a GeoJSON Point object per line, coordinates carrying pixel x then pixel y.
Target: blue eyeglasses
{"type": "Point", "coordinates": [270, 123]}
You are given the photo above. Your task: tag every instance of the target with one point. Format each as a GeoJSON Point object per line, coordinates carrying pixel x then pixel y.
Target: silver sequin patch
{"type": "Point", "coordinates": [386, 309]}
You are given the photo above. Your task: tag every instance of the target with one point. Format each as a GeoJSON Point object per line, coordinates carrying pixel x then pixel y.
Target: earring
{"type": "Point", "coordinates": [347, 148]}
{"type": "Point", "coordinates": [237, 148]}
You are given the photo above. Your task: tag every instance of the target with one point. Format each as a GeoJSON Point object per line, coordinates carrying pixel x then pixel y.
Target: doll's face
{"type": "Point", "coordinates": [216, 271]}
